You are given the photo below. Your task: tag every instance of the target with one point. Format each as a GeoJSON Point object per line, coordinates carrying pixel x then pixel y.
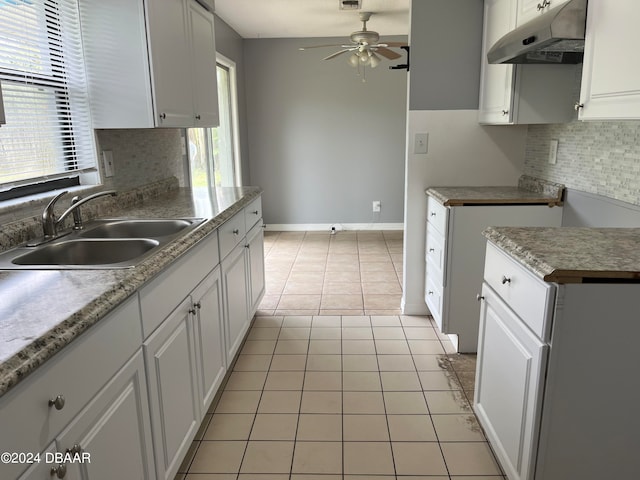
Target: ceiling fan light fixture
{"type": "Point", "coordinates": [350, 4]}
{"type": "Point", "coordinates": [353, 60]}
{"type": "Point", "coordinates": [374, 60]}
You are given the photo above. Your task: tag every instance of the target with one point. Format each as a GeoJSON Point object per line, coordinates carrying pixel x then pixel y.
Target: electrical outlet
{"type": "Point", "coordinates": [553, 152]}
{"type": "Point", "coordinates": [376, 206]}
{"type": "Point", "coordinates": [107, 163]}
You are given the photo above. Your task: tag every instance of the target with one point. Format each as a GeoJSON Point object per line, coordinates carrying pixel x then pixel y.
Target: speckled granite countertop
{"type": "Point", "coordinates": [529, 191]}
{"type": "Point", "coordinates": [42, 311]}
{"type": "Point", "coordinates": [573, 254]}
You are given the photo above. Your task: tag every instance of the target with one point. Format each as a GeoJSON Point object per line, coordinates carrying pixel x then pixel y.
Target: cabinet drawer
{"type": "Point", "coordinates": [529, 297]}
{"type": "Point", "coordinates": [160, 297]}
{"type": "Point", "coordinates": [230, 233]}
{"type": "Point", "coordinates": [77, 373]}
{"type": "Point", "coordinates": [252, 213]}
{"type": "Point", "coordinates": [433, 299]}
{"type": "Point", "coordinates": [435, 248]}
{"type": "Point", "coordinates": [437, 215]}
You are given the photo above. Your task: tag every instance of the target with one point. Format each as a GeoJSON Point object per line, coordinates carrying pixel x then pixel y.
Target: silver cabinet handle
{"type": "Point", "coordinates": [58, 403]}
{"type": "Point", "coordinates": [197, 305]}
{"type": "Point", "coordinates": [544, 4]}
{"type": "Point", "coordinates": [255, 212]}
{"type": "Point", "coordinates": [433, 214]}
{"type": "Point", "coordinates": [60, 471]}
{"type": "Point", "coordinates": [505, 280]}
{"type": "Point", "coordinates": [163, 116]}
{"type": "Point", "coordinates": [197, 117]}
{"type": "Point", "coordinates": [236, 231]}
{"type": "Point", "coordinates": [577, 106]}
{"type": "Point", "coordinates": [432, 250]}
{"type": "Point", "coordinates": [75, 450]}
{"type": "Point", "coordinates": [430, 292]}
{"type": "Point", "coordinates": [479, 297]}
{"type": "Point", "coordinates": [505, 113]}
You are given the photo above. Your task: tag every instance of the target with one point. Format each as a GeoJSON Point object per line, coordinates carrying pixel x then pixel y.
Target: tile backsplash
{"type": "Point", "coordinates": [595, 157]}
{"type": "Point", "coordinates": [142, 156]}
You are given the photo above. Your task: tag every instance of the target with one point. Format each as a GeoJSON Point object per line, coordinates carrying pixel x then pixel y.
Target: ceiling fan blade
{"type": "Point", "coordinates": [337, 53]}
{"type": "Point", "coordinates": [321, 46]}
{"type": "Point", "coordinates": [388, 54]}
{"type": "Point", "coordinates": [396, 44]}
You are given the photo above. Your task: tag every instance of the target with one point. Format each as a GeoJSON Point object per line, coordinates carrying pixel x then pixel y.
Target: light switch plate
{"type": "Point", "coordinates": [421, 143]}
{"type": "Point", "coordinates": [553, 152]}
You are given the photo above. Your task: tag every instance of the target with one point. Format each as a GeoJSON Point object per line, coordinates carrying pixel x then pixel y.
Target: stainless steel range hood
{"type": "Point", "coordinates": [554, 37]}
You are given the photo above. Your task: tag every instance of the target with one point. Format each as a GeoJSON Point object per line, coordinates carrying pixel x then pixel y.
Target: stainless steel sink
{"type": "Point", "coordinates": [87, 252]}
{"type": "Point", "coordinates": [102, 244]}
{"type": "Point", "coordinates": [148, 228]}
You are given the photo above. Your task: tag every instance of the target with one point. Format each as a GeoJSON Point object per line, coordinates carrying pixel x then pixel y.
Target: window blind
{"type": "Point", "coordinates": [48, 131]}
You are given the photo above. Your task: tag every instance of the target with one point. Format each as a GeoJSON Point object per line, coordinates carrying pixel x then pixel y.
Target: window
{"type": "Point", "coordinates": [213, 152]}
{"type": "Point", "coordinates": [48, 132]}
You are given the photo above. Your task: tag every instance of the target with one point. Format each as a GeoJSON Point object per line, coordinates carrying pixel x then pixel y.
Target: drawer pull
{"type": "Point", "coordinates": [75, 450]}
{"type": "Point", "coordinates": [433, 214]}
{"type": "Point", "coordinates": [60, 471]}
{"type": "Point", "coordinates": [430, 292]}
{"type": "Point", "coordinates": [432, 250]}
{"type": "Point", "coordinates": [197, 305]}
{"type": "Point", "coordinates": [255, 212]}
{"type": "Point", "coordinates": [57, 402]}
{"type": "Point", "coordinates": [479, 297]}
{"type": "Point", "coordinates": [236, 231]}
{"type": "Point", "coordinates": [505, 280]}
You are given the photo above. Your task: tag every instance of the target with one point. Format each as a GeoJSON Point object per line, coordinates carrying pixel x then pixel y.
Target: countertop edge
{"type": "Point", "coordinates": [18, 367]}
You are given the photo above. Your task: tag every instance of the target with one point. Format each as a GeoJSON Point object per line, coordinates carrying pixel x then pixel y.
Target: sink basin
{"type": "Point", "coordinates": [137, 228]}
{"type": "Point", "coordinates": [87, 252]}
{"type": "Point", "coordinates": [103, 244]}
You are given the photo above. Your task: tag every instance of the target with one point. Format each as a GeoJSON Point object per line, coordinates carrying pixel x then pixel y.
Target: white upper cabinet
{"type": "Point", "coordinates": [150, 63]}
{"type": "Point", "coordinates": [496, 81]}
{"type": "Point", "coordinates": [611, 72]}
{"type": "Point", "coordinates": [529, 9]}
{"type": "Point", "coordinates": [520, 94]}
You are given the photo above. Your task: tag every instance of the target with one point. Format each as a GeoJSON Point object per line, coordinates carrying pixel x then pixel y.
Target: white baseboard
{"type": "Point", "coordinates": [414, 309]}
{"type": "Point", "coordinates": [326, 227]}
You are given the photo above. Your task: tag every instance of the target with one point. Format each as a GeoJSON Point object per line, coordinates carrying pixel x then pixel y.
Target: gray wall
{"type": "Point", "coordinates": [446, 42]}
{"type": "Point", "coordinates": [322, 144]}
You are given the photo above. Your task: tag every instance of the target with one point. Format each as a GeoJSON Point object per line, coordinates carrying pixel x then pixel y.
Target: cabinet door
{"type": "Point", "coordinates": [171, 369]}
{"type": "Point", "coordinates": [112, 434]}
{"type": "Point", "coordinates": [171, 62]}
{"type": "Point", "coordinates": [236, 304]}
{"type": "Point", "coordinates": [496, 81]}
{"type": "Point", "coordinates": [611, 72]}
{"type": "Point", "coordinates": [255, 253]}
{"type": "Point", "coordinates": [510, 373]}
{"type": "Point", "coordinates": [209, 336]}
{"type": "Point", "coordinates": [205, 89]}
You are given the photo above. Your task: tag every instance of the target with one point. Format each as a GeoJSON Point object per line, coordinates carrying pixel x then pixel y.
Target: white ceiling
{"type": "Point", "coordinates": [311, 18]}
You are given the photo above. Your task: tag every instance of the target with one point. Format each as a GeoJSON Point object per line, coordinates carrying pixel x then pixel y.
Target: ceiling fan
{"type": "Point", "coordinates": [365, 47]}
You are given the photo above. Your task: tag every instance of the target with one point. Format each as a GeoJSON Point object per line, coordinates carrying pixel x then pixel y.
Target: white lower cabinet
{"type": "Point", "coordinates": [556, 382]}
{"type": "Point", "coordinates": [455, 254]}
{"type": "Point", "coordinates": [234, 281]}
{"type": "Point", "coordinates": [255, 253]}
{"type": "Point", "coordinates": [209, 337]}
{"type": "Point", "coordinates": [173, 391]}
{"type": "Point", "coordinates": [111, 438]}
{"type": "Point", "coordinates": [511, 370]}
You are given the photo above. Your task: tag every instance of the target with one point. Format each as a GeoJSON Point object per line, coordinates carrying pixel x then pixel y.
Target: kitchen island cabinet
{"type": "Point", "coordinates": [556, 370]}
{"type": "Point", "coordinates": [610, 88]}
{"type": "Point", "coordinates": [150, 63]}
{"type": "Point", "coordinates": [456, 217]}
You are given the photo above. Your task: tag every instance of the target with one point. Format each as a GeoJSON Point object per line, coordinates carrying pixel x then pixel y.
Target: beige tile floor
{"type": "Point", "coordinates": [341, 393]}
{"type": "Point", "coordinates": [349, 273]}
